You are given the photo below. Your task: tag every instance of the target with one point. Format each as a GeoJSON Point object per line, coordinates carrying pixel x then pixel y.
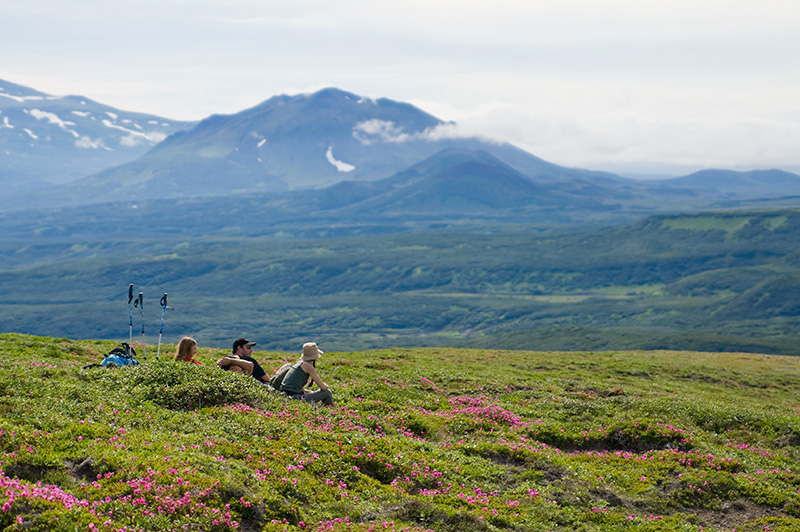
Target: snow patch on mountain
{"type": "Point", "coordinates": [54, 119]}
{"type": "Point", "coordinates": [341, 166]}
{"type": "Point", "coordinates": [29, 98]}
{"type": "Point", "coordinates": [135, 138]}
{"type": "Point", "coordinates": [87, 143]}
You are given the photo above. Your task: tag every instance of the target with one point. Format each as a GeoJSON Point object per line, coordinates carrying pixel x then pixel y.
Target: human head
{"type": "Point", "coordinates": [184, 350]}
{"type": "Point", "coordinates": [310, 352]}
{"type": "Point", "coordinates": [242, 343]}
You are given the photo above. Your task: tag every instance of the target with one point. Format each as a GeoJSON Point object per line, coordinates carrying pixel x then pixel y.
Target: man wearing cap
{"type": "Point", "coordinates": [306, 368]}
{"type": "Point", "coordinates": [243, 348]}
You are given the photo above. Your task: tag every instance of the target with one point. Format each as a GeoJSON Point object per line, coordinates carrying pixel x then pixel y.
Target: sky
{"type": "Point", "coordinates": [628, 86]}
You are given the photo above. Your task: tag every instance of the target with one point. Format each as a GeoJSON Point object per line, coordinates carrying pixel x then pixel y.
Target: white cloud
{"type": "Point", "coordinates": [376, 130]}
{"type": "Point", "coordinates": [341, 166]}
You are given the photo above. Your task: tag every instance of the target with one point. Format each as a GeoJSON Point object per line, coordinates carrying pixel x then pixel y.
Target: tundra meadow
{"type": "Point", "coordinates": [430, 439]}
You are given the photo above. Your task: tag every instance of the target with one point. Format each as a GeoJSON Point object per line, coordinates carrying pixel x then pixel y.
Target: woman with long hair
{"type": "Point", "coordinates": [187, 349]}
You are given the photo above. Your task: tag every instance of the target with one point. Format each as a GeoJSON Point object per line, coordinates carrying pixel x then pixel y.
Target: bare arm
{"type": "Point", "coordinates": [245, 365]}
{"type": "Point", "coordinates": [312, 372]}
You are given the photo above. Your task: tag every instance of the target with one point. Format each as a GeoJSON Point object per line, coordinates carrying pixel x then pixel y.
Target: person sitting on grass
{"type": "Point", "coordinates": [187, 349]}
{"type": "Point", "coordinates": [243, 349]}
{"type": "Point", "coordinates": [304, 370]}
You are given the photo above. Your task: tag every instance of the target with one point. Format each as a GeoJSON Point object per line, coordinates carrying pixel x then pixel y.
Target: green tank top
{"type": "Point", "coordinates": [295, 380]}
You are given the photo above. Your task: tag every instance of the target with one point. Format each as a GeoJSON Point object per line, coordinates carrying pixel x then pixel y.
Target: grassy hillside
{"type": "Point", "coordinates": [420, 439]}
{"type": "Point", "coordinates": [727, 281]}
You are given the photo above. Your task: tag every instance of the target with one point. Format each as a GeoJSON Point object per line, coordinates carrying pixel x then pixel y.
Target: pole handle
{"type": "Point", "coordinates": [130, 293]}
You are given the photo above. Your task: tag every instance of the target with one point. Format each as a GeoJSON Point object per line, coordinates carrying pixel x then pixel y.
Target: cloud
{"type": "Point", "coordinates": [376, 130]}
{"type": "Point", "coordinates": [624, 140]}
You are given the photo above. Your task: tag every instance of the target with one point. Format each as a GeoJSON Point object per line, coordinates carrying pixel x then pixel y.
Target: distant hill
{"type": "Point", "coordinates": [729, 184]}
{"type": "Point", "coordinates": [47, 139]}
{"type": "Point", "coordinates": [455, 183]}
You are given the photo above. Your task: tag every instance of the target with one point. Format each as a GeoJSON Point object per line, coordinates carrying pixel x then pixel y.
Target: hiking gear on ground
{"type": "Point", "coordinates": [139, 303]}
{"type": "Point", "coordinates": [119, 356]}
{"type": "Point", "coordinates": [164, 308]}
{"type": "Point", "coordinates": [130, 306]}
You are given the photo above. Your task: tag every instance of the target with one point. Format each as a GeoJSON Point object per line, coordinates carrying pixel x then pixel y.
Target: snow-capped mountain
{"type": "Point", "coordinates": [46, 139]}
{"type": "Point", "coordinates": [295, 142]}
{"type": "Point", "coordinates": [307, 142]}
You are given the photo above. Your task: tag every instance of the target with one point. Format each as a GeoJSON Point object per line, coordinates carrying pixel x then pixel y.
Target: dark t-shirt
{"type": "Point", "coordinates": [258, 371]}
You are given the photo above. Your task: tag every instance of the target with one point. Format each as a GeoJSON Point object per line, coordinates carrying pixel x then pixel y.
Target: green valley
{"type": "Point", "coordinates": [714, 281]}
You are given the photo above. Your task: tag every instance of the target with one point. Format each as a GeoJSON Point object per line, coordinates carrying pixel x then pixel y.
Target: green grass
{"type": "Point", "coordinates": [729, 224]}
{"type": "Point", "coordinates": [420, 439]}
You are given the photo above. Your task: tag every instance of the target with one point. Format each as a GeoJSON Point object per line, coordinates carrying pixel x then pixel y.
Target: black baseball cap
{"type": "Point", "coordinates": [240, 342]}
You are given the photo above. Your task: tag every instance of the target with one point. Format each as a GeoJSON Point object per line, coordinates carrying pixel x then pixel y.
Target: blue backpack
{"type": "Point", "coordinates": [120, 356]}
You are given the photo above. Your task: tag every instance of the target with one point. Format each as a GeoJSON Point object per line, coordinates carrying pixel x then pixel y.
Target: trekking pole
{"type": "Point", "coordinates": [164, 308]}
{"type": "Point", "coordinates": [139, 302]}
{"type": "Point", "coordinates": [130, 306]}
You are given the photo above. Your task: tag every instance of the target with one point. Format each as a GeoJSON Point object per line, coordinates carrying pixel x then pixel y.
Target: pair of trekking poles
{"type": "Point", "coordinates": [138, 302]}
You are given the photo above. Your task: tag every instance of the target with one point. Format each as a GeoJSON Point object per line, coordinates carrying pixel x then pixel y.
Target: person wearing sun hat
{"type": "Point", "coordinates": [304, 370]}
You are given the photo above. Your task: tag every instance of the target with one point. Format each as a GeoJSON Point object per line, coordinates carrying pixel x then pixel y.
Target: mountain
{"type": "Point", "coordinates": [730, 184]}
{"type": "Point", "coordinates": [47, 139]}
{"type": "Point", "coordinates": [296, 142]}
{"type": "Point", "coordinates": [330, 138]}
{"type": "Point", "coordinates": [460, 183]}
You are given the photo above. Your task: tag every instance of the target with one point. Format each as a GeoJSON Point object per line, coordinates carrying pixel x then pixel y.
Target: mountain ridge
{"type": "Point", "coordinates": [317, 140]}
{"type": "Point", "coordinates": [51, 140]}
